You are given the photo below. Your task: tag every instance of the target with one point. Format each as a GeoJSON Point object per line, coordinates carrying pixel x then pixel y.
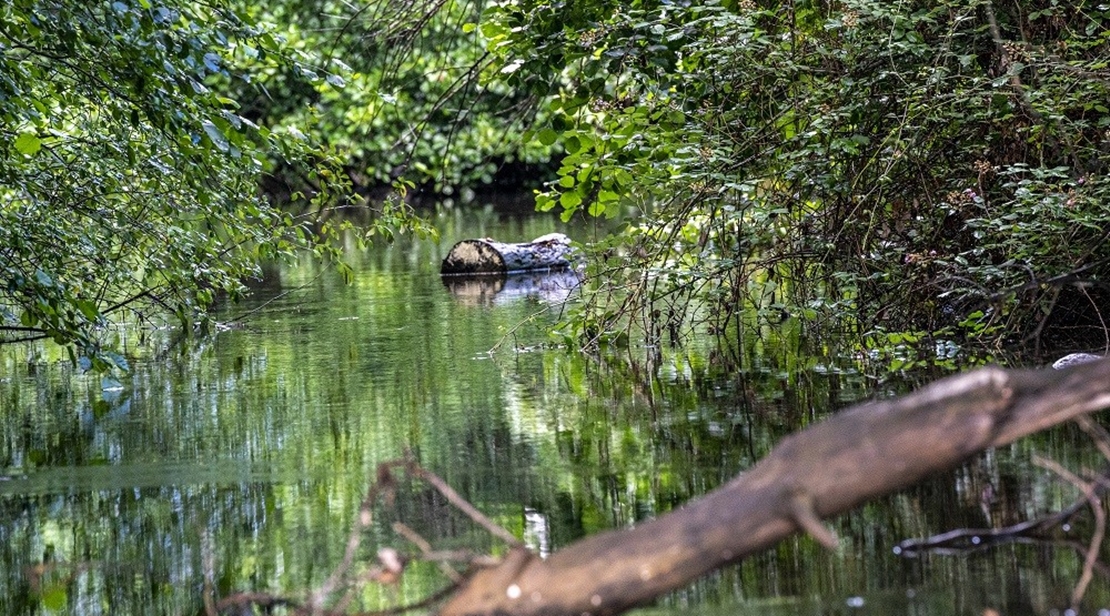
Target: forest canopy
{"type": "Point", "coordinates": [901, 171]}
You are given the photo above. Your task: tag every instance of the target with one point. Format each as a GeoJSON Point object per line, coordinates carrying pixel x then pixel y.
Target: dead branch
{"type": "Point", "coordinates": [964, 539]}
{"type": "Point", "coordinates": [391, 563]}
{"type": "Point", "coordinates": [827, 469]}
{"type": "Point", "coordinates": [462, 505]}
{"type": "Point", "coordinates": [831, 467]}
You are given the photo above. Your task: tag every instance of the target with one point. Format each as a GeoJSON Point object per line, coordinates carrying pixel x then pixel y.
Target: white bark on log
{"type": "Point", "coordinates": [829, 468]}
{"type": "Point", "coordinates": [487, 256]}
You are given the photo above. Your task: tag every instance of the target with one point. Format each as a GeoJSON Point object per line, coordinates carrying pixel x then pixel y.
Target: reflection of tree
{"type": "Point", "coordinates": [632, 444]}
{"type": "Point", "coordinates": [818, 472]}
{"type": "Point", "coordinates": [489, 289]}
{"type": "Point", "coordinates": [290, 416]}
{"type": "Point", "coordinates": [810, 475]}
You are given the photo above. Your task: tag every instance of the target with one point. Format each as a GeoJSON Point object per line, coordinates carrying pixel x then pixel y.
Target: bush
{"type": "Point", "coordinates": [936, 167]}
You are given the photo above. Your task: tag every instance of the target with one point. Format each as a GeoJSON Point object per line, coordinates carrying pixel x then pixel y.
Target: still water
{"type": "Point", "coordinates": [237, 461]}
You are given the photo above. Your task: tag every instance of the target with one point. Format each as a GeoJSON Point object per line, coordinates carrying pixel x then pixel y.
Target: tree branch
{"type": "Point", "coordinates": [827, 469]}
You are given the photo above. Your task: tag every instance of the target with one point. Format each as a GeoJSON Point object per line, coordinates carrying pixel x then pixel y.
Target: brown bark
{"type": "Point", "coordinates": [829, 468]}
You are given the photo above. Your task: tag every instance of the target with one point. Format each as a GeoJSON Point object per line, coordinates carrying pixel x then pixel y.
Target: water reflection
{"type": "Point", "coordinates": [237, 461]}
{"type": "Point", "coordinates": [552, 287]}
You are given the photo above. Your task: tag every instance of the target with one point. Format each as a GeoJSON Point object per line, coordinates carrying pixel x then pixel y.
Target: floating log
{"type": "Point", "coordinates": [488, 256]}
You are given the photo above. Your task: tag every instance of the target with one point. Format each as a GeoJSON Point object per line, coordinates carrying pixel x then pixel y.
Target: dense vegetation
{"type": "Point", "coordinates": [129, 176]}
{"type": "Point", "coordinates": [404, 99]}
{"type": "Point", "coordinates": [900, 168]}
{"type": "Point", "coordinates": [126, 179]}
{"type": "Point", "coordinates": [895, 169]}
{"type": "Point", "coordinates": [902, 171]}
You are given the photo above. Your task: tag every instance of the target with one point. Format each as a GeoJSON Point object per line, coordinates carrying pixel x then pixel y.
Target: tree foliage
{"type": "Point", "coordinates": [401, 98]}
{"type": "Point", "coordinates": [920, 167]}
{"type": "Point", "coordinates": [937, 167]}
{"type": "Point", "coordinates": [129, 180]}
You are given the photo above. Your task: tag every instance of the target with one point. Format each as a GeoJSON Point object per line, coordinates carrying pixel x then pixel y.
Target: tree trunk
{"type": "Point", "coordinates": [829, 468]}
{"type": "Point", "coordinates": [487, 256]}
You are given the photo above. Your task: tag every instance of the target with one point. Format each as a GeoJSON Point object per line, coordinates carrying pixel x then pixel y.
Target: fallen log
{"type": "Point", "coordinates": [486, 256]}
{"type": "Point", "coordinates": [827, 469]}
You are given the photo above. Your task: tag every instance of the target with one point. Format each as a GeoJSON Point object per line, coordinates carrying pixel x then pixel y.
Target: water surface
{"type": "Point", "coordinates": [237, 461]}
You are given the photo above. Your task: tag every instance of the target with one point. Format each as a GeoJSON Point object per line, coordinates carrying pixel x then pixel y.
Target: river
{"type": "Point", "coordinates": [236, 461]}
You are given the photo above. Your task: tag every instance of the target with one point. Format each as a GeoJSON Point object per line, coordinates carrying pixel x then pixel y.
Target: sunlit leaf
{"type": "Point", "coordinates": [27, 143]}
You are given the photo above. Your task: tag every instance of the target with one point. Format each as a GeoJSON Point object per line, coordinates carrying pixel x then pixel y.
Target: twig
{"type": "Point", "coordinates": [276, 298]}
{"type": "Point", "coordinates": [431, 599]}
{"type": "Point", "coordinates": [243, 600]}
{"type": "Point", "coordinates": [462, 505]}
{"type": "Point", "coordinates": [968, 538]}
{"type": "Point", "coordinates": [1098, 313]}
{"type": "Point", "coordinates": [425, 549]}
{"type": "Point", "coordinates": [383, 487]}
{"type": "Point", "coordinates": [512, 331]}
{"type": "Point", "coordinates": [1098, 434]}
{"type": "Point", "coordinates": [1089, 490]}
{"type": "Point", "coordinates": [384, 483]}
{"type": "Point", "coordinates": [805, 515]}
{"type": "Point", "coordinates": [1014, 78]}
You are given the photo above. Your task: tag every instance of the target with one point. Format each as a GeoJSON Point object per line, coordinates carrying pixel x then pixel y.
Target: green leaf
{"type": "Point", "coordinates": [544, 202]}
{"type": "Point", "coordinates": [43, 278]}
{"type": "Point", "coordinates": [212, 62]}
{"type": "Point", "coordinates": [88, 308]}
{"type": "Point", "coordinates": [108, 383]}
{"type": "Point", "coordinates": [55, 598]}
{"type": "Point", "coordinates": [28, 144]}
{"type": "Point", "coordinates": [215, 135]}
{"type": "Point", "coordinates": [570, 200]}
{"type": "Point", "coordinates": [547, 136]}
{"type": "Point", "coordinates": [493, 30]}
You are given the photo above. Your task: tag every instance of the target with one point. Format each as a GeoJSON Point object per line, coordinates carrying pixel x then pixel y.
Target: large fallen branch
{"type": "Point", "coordinates": [827, 469]}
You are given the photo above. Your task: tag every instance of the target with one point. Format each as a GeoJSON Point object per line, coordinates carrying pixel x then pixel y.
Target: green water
{"type": "Point", "coordinates": [237, 461]}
